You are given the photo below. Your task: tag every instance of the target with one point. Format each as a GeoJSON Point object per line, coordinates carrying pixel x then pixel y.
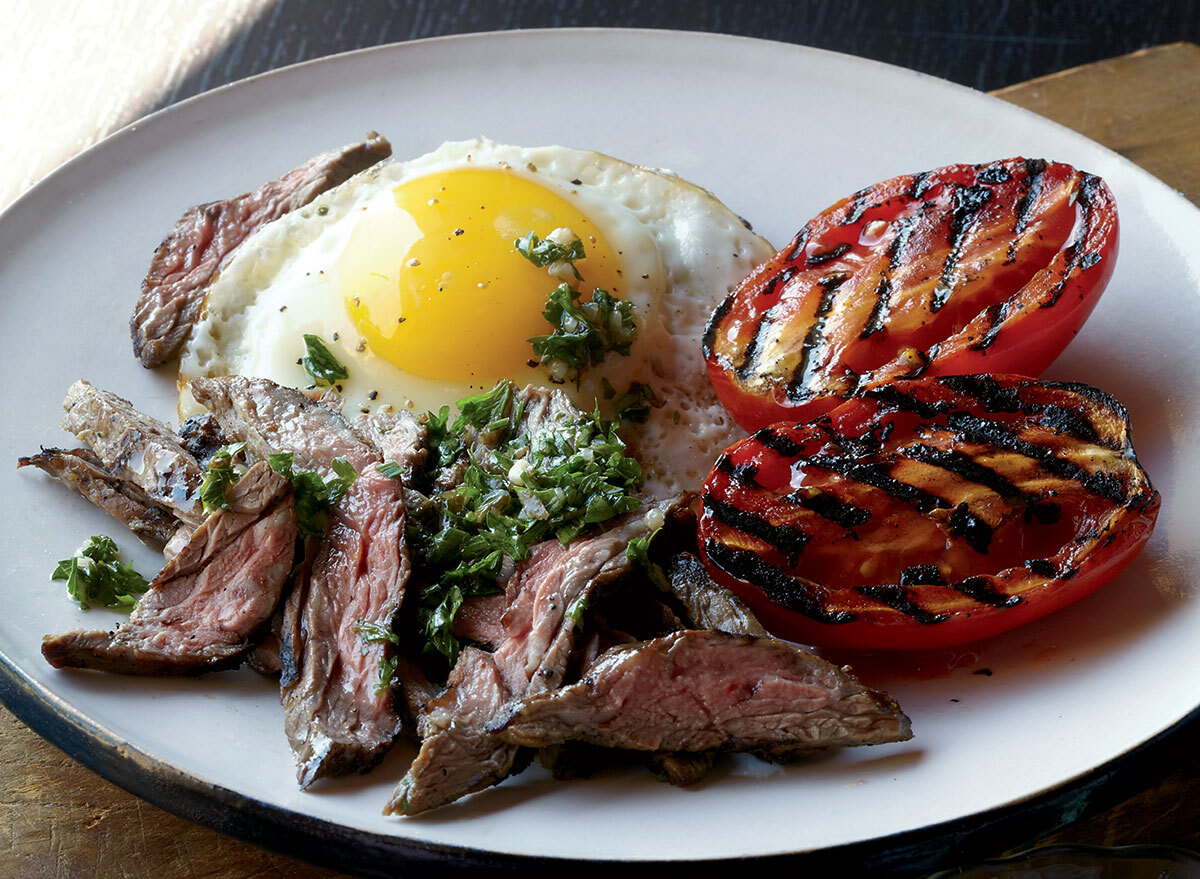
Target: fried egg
{"type": "Point", "coordinates": [410, 275]}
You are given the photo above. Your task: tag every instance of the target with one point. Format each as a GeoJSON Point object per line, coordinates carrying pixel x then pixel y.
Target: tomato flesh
{"type": "Point", "coordinates": [928, 512]}
{"type": "Point", "coordinates": [969, 268]}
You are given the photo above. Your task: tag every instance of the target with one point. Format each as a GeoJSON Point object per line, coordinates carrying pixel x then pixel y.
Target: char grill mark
{"type": "Point", "coordinates": [778, 443]}
{"type": "Point", "coordinates": [898, 598]}
{"type": "Point", "coordinates": [976, 532]}
{"type": "Point", "coordinates": [797, 388]}
{"type": "Point", "coordinates": [787, 539]}
{"type": "Point", "coordinates": [879, 310]}
{"type": "Point", "coordinates": [825, 505]}
{"type": "Point", "coordinates": [772, 287]}
{"type": "Point", "coordinates": [969, 202]}
{"type": "Point", "coordinates": [789, 592]}
{"type": "Point", "coordinates": [987, 432]}
{"type": "Point", "coordinates": [745, 368]}
{"type": "Point", "coordinates": [966, 467]}
{"type": "Point", "coordinates": [1088, 184]}
{"type": "Point", "coordinates": [744, 474]}
{"type": "Point", "coordinates": [981, 589]}
{"type": "Point", "coordinates": [984, 433]}
{"type": "Point", "coordinates": [855, 211]}
{"type": "Point", "coordinates": [1034, 169]}
{"type": "Point", "coordinates": [876, 474]}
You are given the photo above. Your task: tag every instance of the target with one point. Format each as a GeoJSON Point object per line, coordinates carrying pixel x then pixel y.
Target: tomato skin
{"type": "Point", "coordinates": [965, 269]}
{"type": "Point", "coordinates": [887, 477]}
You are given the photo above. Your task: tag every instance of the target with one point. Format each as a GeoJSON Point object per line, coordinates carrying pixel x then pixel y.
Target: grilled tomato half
{"type": "Point", "coordinates": [928, 512]}
{"type": "Point", "coordinates": [969, 268]}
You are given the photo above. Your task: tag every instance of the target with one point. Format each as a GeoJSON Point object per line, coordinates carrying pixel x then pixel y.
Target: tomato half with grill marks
{"type": "Point", "coordinates": [965, 269]}
{"type": "Point", "coordinates": [928, 512]}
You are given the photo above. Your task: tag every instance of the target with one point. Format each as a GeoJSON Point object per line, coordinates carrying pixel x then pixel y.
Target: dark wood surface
{"type": "Point", "coordinates": [64, 821]}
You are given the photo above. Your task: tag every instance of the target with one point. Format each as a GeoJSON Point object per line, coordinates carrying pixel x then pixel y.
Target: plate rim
{"type": "Point", "coordinates": [296, 834]}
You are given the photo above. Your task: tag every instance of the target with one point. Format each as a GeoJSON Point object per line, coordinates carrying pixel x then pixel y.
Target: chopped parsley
{"type": "Point", "coordinates": [373, 633]}
{"type": "Point", "coordinates": [222, 473]}
{"type": "Point", "coordinates": [95, 576]}
{"type": "Point", "coordinates": [584, 332]}
{"type": "Point", "coordinates": [390, 469]}
{"type": "Point", "coordinates": [320, 364]}
{"type": "Point", "coordinates": [517, 487]}
{"type": "Point", "coordinates": [546, 253]}
{"type": "Point", "coordinates": [635, 404]}
{"type": "Point", "coordinates": [312, 495]}
{"type": "Point", "coordinates": [638, 552]}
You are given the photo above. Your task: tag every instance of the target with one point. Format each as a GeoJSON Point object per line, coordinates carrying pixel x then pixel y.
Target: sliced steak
{"type": "Point", "coordinates": [204, 237]}
{"type": "Point", "coordinates": [202, 436]}
{"type": "Point", "coordinates": [272, 418]}
{"type": "Point", "coordinates": [136, 447]}
{"type": "Point", "coordinates": [481, 620]}
{"type": "Point", "coordinates": [704, 691]}
{"type": "Point", "coordinates": [206, 605]}
{"type": "Point", "coordinates": [400, 436]}
{"type": "Point", "coordinates": [458, 754]}
{"type": "Point", "coordinates": [708, 604]}
{"type": "Point", "coordinates": [339, 718]}
{"type": "Point", "coordinates": [339, 715]}
{"type": "Point", "coordinates": [85, 474]}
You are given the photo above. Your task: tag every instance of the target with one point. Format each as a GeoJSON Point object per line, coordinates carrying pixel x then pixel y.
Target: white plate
{"type": "Point", "coordinates": [778, 132]}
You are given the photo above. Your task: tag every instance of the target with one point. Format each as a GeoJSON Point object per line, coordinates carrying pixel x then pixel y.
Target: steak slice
{"type": "Point", "coordinates": [704, 691]}
{"type": "Point", "coordinates": [708, 604]}
{"type": "Point", "coordinates": [204, 237]}
{"type": "Point", "coordinates": [205, 606]}
{"type": "Point", "coordinates": [85, 474]}
{"type": "Point", "coordinates": [340, 717]}
{"type": "Point", "coordinates": [339, 713]}
{"type": "Point", "coordinates": [273, 418]}
{"type": "Point", "coordinates": [137, 448]}
{"type": "Point", "coordinates": [459, 755]}
{"type": "Point", "coordinates": [400, 436]}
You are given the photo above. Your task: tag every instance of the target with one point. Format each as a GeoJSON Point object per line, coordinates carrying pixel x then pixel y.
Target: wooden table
{"type": "Point", "coordinates": [64, 821]}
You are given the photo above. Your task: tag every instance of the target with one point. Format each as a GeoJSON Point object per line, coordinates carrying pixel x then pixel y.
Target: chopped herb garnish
{"type": "Point", "coordinates": [544, 253]}
{"type": "Point", "coordinates": [221, 474]}
{"type": "Point", "coordinates": [635, 404]}
{"type": "Point", "coordinates": [584, 332]}
{"type": "Point", "coordinates": [373, 633]}
{"type": "Point", "coordinates": [313, 496]}
{"type": "Point", "coordinates": [675, 416]}
{"type": "Point", "coordinates": [390, 469]}
{"type": "Point", "coordinates": [576, 611]}
{"type": "Point", "coordinates": [518, 488]}
{"type": "Point", "coordinates": [320, 364]}
{"type": "Point", "coordinates": [95, 576]}
{"type": "Point", "coordinates": [638, 552]}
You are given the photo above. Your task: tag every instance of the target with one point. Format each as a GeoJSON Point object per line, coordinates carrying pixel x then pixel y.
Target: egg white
{"type": "Point", "coordinates": [681, 251]}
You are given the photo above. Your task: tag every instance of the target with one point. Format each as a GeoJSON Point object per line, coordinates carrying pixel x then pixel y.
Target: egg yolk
{"type": "Point", "coordinates": [436, 285]}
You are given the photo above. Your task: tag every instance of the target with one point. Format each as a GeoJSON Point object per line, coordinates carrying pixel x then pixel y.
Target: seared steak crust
{"type": "Point", "coordinates": [703, 691]}
{"type": "Point", "coordinates": [272, 418]}
{"type": "Point", "coordinates": [135, 447]}
{"type": "Point", "coordinates": [458, 754]}
{"type": "Point", "coordinates": [204, 237]}
{"type": "Point", "coordinates": [85, 474]}
{"type": "Point", "coordinates": [339, 715]}
{"type": "Point", "coordinates": [708, 604]}
{"type": "Point", "coordinates": [205, 606]}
